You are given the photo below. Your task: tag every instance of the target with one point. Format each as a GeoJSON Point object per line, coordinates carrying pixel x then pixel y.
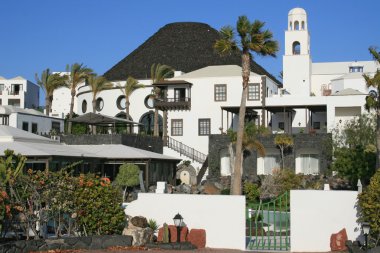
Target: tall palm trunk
{"type": "Point", "coordinates": [71, 110]}
{"type": "Point", "coordinates": [156, 131]}
{"type": "Point", "coordinates": [237, 173]}
{"type": "Point", "coordinates": [165, 127]}
{"type": "Point", "coordinates": [94, 111]}
{"type": "Point", "coordinates": [47, 105]}
{"type": "Point", "coordinates": [127, 103]}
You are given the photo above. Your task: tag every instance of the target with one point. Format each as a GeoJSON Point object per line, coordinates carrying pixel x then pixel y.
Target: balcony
{"type": "Point", "coordinates": [168, 104]}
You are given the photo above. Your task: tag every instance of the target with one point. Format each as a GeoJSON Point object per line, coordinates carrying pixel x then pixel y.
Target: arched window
{"type": "Point", "coordinates": [84, 106]}
{"type": "Point", "coordinates": [148, 121]}
{"type": "Point", "coordinates": [296, 25]}
{"type": "Point", "coordinates": [296, 47]}
{"type": "Point", "coordinates": [303, 25]}
{"type": "Point", "coordinates": [124, 128]}
{"type": "Point", "coordinates": [291, 25]}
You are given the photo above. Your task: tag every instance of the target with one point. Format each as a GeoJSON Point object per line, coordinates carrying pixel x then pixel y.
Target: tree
{"type": "Point", "coordinates": [78, 73]}
{"type": "Point", "coordinates": [130, 86]}
{"type": "Point", "coordinates": [252, 39]}
{"type": "Point", "coordinates": [49, 83]}
{"type": "Point", "coordinates": [128, 176]}
{"type": "Point", "coordinates": [158, 73]}
{"type": "Point", "coordinates": [97, 84]}
{"type": "Point", "coordinates": [369, 206]}
{"type": "Point", "coordinates": [354, 149]}
{"type": "Point", "coordinates": [283, 141]}
{"type": "Point", "coordinates": [250, 142]}
{"type": "Point", "coordinates": [373, 100]}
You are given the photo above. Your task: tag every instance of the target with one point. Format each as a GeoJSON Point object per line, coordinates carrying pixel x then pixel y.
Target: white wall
{"type": "Point", "coordinates": [223, 217]}
{"type": "Point", "coordinates": [315, 215]}
{"type": "Point", "coordinates": [44, 123]}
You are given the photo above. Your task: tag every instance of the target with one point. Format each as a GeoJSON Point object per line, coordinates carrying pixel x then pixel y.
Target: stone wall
{"type": "Point", "coordinates": [150, 143]}
{"type": "Point", "coordinates": [67, 243]}
{"type": "Point", "coordinates": [218, 143]}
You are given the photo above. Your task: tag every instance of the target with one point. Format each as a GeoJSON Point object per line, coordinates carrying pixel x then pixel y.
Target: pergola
{"type": "Point", "coordinates": [95, 119]}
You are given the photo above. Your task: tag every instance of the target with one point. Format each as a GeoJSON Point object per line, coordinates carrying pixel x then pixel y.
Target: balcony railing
{"type": "Point", "coordinates": [173, 103]}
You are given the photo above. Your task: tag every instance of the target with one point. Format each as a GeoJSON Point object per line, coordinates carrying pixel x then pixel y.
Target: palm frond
{"type": "Point", "coordinates": [375, 54]}
{"type": "Point", "coordinates": [243, 26]}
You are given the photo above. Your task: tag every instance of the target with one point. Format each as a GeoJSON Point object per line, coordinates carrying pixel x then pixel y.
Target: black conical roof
{"type": "Point", "coordinates": [185, 46]}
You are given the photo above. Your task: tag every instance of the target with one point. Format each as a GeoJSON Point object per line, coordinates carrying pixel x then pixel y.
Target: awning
{"type": "Point", "coordinates": [102, 120]}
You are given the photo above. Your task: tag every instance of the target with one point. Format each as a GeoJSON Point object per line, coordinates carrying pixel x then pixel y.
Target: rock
{"type": "Point", "coordinates": [173, 233]}
{"type": "Point", "coordinates": [141, 236]}
{"type": "Point", "coordinates": [211, 189]}
{"type": "Point", "coordinates": [338, 241]}
{"type": "Point", "coordinates": [218, 185]}
{"type": "Point", "coordinates": [184, 233]}
{"type": "Point", "coordinates": [197, 237]}
{"type": "Point", "coordinates": [139, 221]}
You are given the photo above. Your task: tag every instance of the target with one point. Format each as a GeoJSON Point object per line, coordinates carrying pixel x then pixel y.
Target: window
{"type": "Point", "coordinates": [177, 127]}
{"type": "Point", "coordinates": [15, 89]}
{"type": "Point", "coordinates": [34, 128]}
{"type": "Point", "coordinates": [148, 101]}
{"type": "Point", "coordinates": [120, 102]}
{"type": "Point", "coordinates": [309, 164]}
{"type": "Point", "coordinates": [291, 26]}
{"type": "Point", "coordinates": [303, 25]}
{"type": "Point", "coordinates": [317, 125]}
{"type": "Point", "coordinates": [296, 25]}
{"type": "Point", "coordinates": [253, 91]}
{"type": "Point", "coordinates": [1, 88]}
{"type": "Point", "coordinates": [271, 161]}
{"type": "Point", "coordinates": [204, 126]}
{"type": "Point", "coordinates": [4, 120]}
{"type": "Point", "coordinates": [296, 47]}
{"type": "Point", "coordinates": [25, 126]}
{"type": "Point", "coordinates": [99, 104]}
{"type": "Point", "coordinates": [220, 92]}
{"type": "Point", "coordinates": [84, 106]}
{"type": "Point", "coordinates": [56, 126]}
{"type": "Point", "coordinates": [281, 125]}
{"type": "Point", "coordinates": [356, 69]}
{"type": "Point", "coordinates": [179, 94]}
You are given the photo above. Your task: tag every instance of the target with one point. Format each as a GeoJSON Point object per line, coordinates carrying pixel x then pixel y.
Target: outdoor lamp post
{"type": "Point", "coordinates": [365, 229]}
{"type": "Point", "coordinates": [178, 223]}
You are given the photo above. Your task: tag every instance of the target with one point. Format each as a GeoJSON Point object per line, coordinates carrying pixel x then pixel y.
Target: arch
{"type": "Point", "coordinates": [303, 25]}
{"type": "Point", "coordinates": [291, 25]}
{"type": "Point", "coordinates": [225, 162]}
{"type": "Point", "coordinates": [296, 47]}
{"type": "Point", "coordinates": [147, 119]}
{"type": "Point", "coordinates": [296, 25]}
{"type": "Point", "coordinates": [124, 129]}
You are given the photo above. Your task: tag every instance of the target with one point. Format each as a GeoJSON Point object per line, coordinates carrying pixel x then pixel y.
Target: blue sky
{"type": "Point", "coordinates": [38, 34]}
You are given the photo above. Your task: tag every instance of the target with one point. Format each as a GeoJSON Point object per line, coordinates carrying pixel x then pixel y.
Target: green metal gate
{"type": "Point", "coordinates": [268, 225]}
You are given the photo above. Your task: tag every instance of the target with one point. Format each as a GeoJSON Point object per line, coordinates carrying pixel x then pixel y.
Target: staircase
{"type": "Point", "coordinates": [185, 150]}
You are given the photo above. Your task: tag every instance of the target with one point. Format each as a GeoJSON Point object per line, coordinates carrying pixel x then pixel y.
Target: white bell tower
{"type": "Point", "coordinates": [297, 59]}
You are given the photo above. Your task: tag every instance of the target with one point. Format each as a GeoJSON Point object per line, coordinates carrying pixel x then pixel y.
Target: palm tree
{"type": "Point", "coordinates": [97, 84]}
{"type": "Point", "coordinates": [158, 73]}
{"type": "Point", "coordinates": [252, 38]}
{"type": "Point", "coordinates": [78, 73]}
{"type": "Point", "coordinates": [373, 101]}
{"type": "Point", "coordinates": [50, 82]}
{"type": "Point", "coordinates": [130, 86]}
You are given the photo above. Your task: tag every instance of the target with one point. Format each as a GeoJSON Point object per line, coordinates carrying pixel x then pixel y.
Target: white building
{"type": "Point", "coordinates": [19, 92]}
{"type": "Point", "coordinates": [315, 97]}
{"type": "Point", "coordinates": [29, 120]}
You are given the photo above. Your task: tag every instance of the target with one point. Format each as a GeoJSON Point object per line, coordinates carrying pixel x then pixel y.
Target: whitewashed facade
{"type": "Point", "coordinates": [315, 96]}
{"type": "Point", "coordinates": [19, 92]}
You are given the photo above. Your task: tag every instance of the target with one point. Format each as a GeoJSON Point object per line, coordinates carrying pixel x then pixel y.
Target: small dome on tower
{"type": "Point", "coordinates": [297, 11]}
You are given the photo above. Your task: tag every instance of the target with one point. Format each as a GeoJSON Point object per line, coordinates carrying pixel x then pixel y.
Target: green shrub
{"type": "Point", "coordinates": [369, 202]}
{"type": "Point", "coordinates": [153, 225]}
{"type": "Point", "coordinates": [127, 177]}
{"type": "Point", "coordinates": [251, 191]}
{"type": "Point", "coordinates": [99, 210]}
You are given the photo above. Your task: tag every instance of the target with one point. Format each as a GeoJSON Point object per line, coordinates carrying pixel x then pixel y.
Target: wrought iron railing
{"type": "Point", "coordinates": [185, 150]}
